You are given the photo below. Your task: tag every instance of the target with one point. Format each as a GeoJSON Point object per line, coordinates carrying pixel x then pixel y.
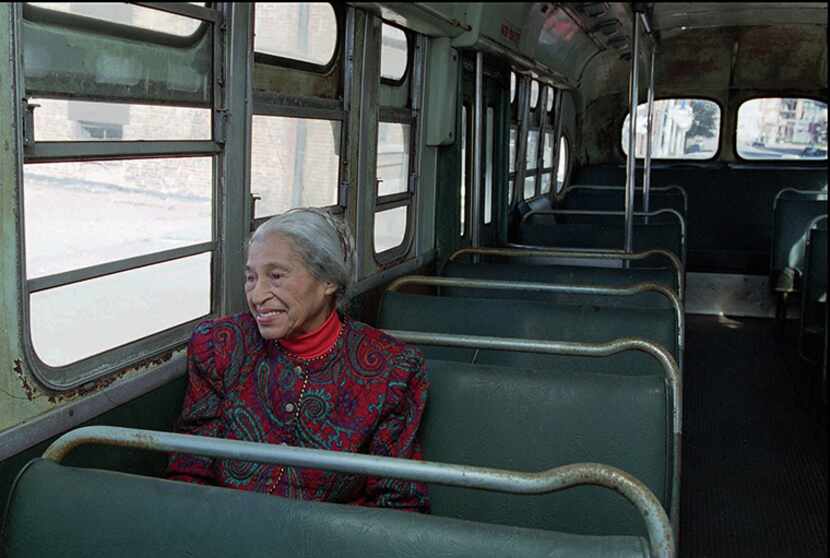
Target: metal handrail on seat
{"type": "Point", "coordinates": [523, 251]}
{"type": "Point", "coordinates": [660, 534]}
{"type": "Point", "coordinates": [672, 375]}
{"type": "Point", "coordinates": [554, 289]}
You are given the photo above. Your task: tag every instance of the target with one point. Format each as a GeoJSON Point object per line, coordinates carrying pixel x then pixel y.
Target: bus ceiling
{"type": "Point", "coordinates": [571, 44]}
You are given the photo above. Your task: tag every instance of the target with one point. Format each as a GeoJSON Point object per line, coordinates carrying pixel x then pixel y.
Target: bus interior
{"type": "Point", "coordinates": [604, 225]}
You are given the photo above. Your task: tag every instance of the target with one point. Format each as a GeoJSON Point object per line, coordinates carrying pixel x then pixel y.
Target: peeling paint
{"type": "Point", "coordinates": [24, 382]}
{"type": "Point", "coordinates": [102, 383]}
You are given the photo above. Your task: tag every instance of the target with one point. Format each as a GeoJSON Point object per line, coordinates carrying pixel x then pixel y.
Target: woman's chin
{"type": "Point", "coordinates": [272, 332]}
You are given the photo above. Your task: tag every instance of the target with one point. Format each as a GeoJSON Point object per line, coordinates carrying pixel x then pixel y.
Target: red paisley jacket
{"type": "Point", "coordinates": [367, 395]}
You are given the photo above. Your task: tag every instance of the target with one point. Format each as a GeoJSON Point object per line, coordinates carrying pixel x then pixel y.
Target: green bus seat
{"type": "Point", "coordinates": [564, 275]}
{"type": "Point", "coordinates": [57, 510]}
{"type": "Point", "coordinates": [814, 290]}
{"type": "Point", "coordinates": [545, 230]}
{"type": "Point", "coordinates": [528, 319]}
{"type": "Point", "coordinates": [792, 212]}
{"type": "Point", "coordinates": [610, 198]}
{"type": "Point", "coordinates": [530, 420]}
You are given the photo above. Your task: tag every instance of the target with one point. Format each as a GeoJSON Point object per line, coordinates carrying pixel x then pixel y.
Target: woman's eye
{"type": "Point", "coordinates": [276, 276]}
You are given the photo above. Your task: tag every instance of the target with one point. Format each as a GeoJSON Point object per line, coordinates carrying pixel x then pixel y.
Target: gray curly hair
{"type": "Point", "coordinates": [323, 242]}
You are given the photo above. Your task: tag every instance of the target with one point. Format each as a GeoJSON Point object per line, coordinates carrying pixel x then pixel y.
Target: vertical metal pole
{"type": "Point", "coordinates": [647, 163]}
{"type": "Point", "coordinates": [632, 134]}
{"type": "Point", "coordinates": [475, 206]}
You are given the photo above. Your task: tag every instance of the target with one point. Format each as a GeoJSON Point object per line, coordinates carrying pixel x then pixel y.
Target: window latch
{"type": "Point", "coordinates": [28, 111]}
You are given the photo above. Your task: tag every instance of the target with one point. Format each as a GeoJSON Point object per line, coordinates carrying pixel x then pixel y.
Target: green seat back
{"type": "Point", "coordinates": [543, 230]}
{"type": "Point", "coordinates": [793, 211]}
{"type": "Point", "coordinates": [57, 510]}
{"type": "Point", "coordinates": [531, 420]}
{"type": "Point", "coordinates": [564, 275]}
{"type": "Point", "coordinates": [526, 319]}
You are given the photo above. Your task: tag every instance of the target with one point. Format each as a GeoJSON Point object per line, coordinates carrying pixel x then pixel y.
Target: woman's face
{"type": "Point", "coordinates": [284, 297]}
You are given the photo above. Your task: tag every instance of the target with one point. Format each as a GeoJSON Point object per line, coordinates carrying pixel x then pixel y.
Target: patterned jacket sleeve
{"type": "Point", "coordinates": [397, 434]}
{"type": "Point", "coordinates": [201, 408]}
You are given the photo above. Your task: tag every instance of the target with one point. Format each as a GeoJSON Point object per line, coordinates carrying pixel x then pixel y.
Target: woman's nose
{"type": "Point", "coordinates": [260, 294]}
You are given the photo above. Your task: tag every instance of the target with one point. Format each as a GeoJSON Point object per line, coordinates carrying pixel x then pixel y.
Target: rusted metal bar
{"type": "Point", "coordinates": [660, 534]}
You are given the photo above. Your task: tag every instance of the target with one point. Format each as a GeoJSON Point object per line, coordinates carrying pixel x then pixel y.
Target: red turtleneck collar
{"type": "Point", "coordinates": [315, 343]}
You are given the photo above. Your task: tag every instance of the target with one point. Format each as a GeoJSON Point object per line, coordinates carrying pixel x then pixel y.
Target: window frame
{"type": "Point", "coordinates": [159, 346]}
{"type": "Point", "coordinates": [293, 63]}
{"type": "Point", "coordinates": [775, 162]}
{"type": "Point", "coordinates": [715, 156]}
{"type": "Point", "coordinates": [390, 256]}
{"type": "Point", "coordinates": [264, 108]}
{"type": "Point", "coordinates": [558, 195]}
{"type": "Point", "coordinates": [80, 22]}
{"type": "Point", "coordinates": [409, 55]}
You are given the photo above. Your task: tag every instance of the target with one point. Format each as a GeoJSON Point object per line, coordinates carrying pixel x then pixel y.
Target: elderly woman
{"type": "Point", "coordinates": [293, 370]}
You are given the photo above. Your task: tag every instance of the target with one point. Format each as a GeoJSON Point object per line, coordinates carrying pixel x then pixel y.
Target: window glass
{"type": "Point", "coordinates": [79, 214]}
{"type": "Point", "coordinates": [549, 103]}
{"type": "Point", "coordinates": [562, 169]}
{"type": "Point", "coordinates": [545, 183]}
{"type": "Point", "coordinates": [76, 321]}
{"type": "Point", "coordinates": [510, 191]}
{"type": "Point", "coordinates": [128, 14]}
{"type": "Point", "coordinates": [393, 158]}
{"type": "Point", "coordinates": [490, 121]}
{"type": "Point", "coordinates": [512, 162]}
{"type": "Point", "coordinates": [532, 148]}
{"type": "Point", "coordinates": [775, 128]}
{"type": "Point", "coordinates": [530, 186]}
{"type": "Point", "coordinates": [534, 94]}
{"type": "Point", "coordinates": [462, 186]}
{"type": "Point", "coordinates": [393, 53]}
{"type": "Point", "coordinates": [547, 154]}
{"type": "Point", "coordinates": [682, 129]}
{"type": "Point", "coordinates": [294, 163]}
{"type": "Point", "coordinates": [512, 86]}
{"type": "Point", "coordinates": [304, 31]}
{"type": "Point", "coordinates": [67, 120]}
{"type": "Point", "coordinates": [390, 228]}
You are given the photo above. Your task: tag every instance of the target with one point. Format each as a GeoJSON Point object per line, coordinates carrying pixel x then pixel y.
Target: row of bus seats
{"type": "Point", "coordinates": [551, 361]}
{"type": "Point", "coordinates": [593, 217]}
{"type": "Point", "coordinates": [537, 366]}
{"type": "Point", "coordinates": [798, 268]}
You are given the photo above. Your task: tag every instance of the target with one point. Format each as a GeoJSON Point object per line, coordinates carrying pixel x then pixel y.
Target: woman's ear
{"type": "Point", "coordinates": [329, 288]}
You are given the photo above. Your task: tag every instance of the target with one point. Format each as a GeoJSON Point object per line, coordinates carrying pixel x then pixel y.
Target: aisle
{"type": "Point", "coordinates": [754, 456]}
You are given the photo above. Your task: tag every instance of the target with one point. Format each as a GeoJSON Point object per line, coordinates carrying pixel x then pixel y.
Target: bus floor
{"type": "Point", "coordinates": [755, 443]}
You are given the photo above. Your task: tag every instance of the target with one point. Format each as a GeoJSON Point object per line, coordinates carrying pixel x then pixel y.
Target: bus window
{"type": "Point", "coordinates": [70, 120]}
{"type": "Point", "coordinates": [390, 228]}
{"type": "Point", "coordinates": [462, 185]}
{"type": "Point", "coordinates": [534, 94]}
{"type": "Point", "coordinates": [301, 31]}
{"type": "Point", "coordinates": [79, 215]}
{"type": "Point", "coordinates": [549, 102]}
{"type": "Point", "coordinates": [512, 87]}
{"type": "Point", "coordinates": [393, 158]}
{"type": "Point", "coordinates": [681, 129]}
{"type": "Point", "coordinates": [782, 128]}
{"type": "Point", "coordinates": [488, 165]}
{"type": "Point", "coordinates": [126, 14]}
{"type": "Point", "coordinates": [294, 162]}
{"type": "Point", "coordinates": [562, 169]}
{"type": "Point", "coordinates": [531, 161]}
{"type": "Point", "coordinates": [394, 53]}
{"type": "Point", "coordinates": [547, 163]}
